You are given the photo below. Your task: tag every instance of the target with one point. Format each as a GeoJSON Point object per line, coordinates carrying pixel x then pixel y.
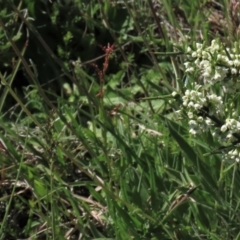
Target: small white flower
{"type": "Point", "coordinates": [199, 45]}
{"type": "Point", "coordinates": [204, 64]}
{"type": "Point", "coordinates": [220, 57]}
{"type": "Point", "coordinates": [234, 114]}
{"type": "Point", "coordinates": [238, 126]}
{"type": "Point", "coordinates": [187, 64]}
{"type": "Point", "coordinates": [197, 62]}
{"type": "Point", "coordinates": [206, 74]}
{"type": "Point", "coordinates": [197, 106]}
{"type": "Point", "coordinates": [193, 94]}
{"type": "Point", "coordinates": [209, 122]}
{"type": "Point", "coordinates": [192, 123]}
{"type": "Point", "coordinates": [190, 70]}
{"type": "Point", "coordinates": [234, 71]}
{"type": "Point", "coordinates": [187, 93]}
{"type": "Point", "coordinates": [189, 50]}
{"type": "Point", "coordinates": [230, 153]}
{"type": "Point", "coordinates": [200, 119]}
{"type": "Point", "coordinates": [232, 122]}
{"type": "Point", "coordinates": [217, 76]}
{"type": "Point", "coordinates": [213, 42]}
{"type": "Point", "coordinates": [190, 115]}
{"type": "Point", "coordinates": [194, 54]}
{"type": "Point", "coordinates": [235, 152]}
{"type": "Point", "coordinates": [193, 131]}
{"type": "Point", "coordinates": [229, 136]}
{"type": "Point", "coordinates": [214, 134]}
{"type": "Point", "coordinates": [236, 62]}
{"type": "Point", "coordinates": [206, 55]}
{"type": "Point", "coordinates": [191, 104]}
{"type": "Point", "coordinates": [224, 128]}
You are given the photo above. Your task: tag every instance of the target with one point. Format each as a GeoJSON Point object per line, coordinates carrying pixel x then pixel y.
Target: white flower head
{"type": "Point", "coordinates": [199, 45]}
{"type": "Point", "coordinates": [187, 64]}
{"type": "Point", "coordinates": [234, 71]}
{"type": "Point", "coordinates": [187, 93]}
{"type": "Point", "coordinates": [193, 131]}
{"type": "Point", "coordinates": [209, 122]}
{"type": "Point", "coordinates": [189, 50]}
{"type": "Point", "coordinates": [235, 152]}
{"type": "Point", "coordinates": [191, 104]}
{"type": "Point", "coordinates": [197, 106]}
{"type": "Point", "coordinates": [224, 128]}
{"type": "Point", "coordinates": [229, 136]}
{"type": "Point", "coordinates": [190, 115]}
{"type": "Point", "coordinates": [236, 62]}
{"type": "Point", "coordinates": [200, 119]}
{"type": "Point", "coordinates": [194, 54]}
{"type": "Point", "coordinates": [217, 76]}
{"type": "Point", "coordinates": [190, 70]}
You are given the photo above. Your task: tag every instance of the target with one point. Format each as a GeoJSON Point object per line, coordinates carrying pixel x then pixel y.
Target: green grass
{"type": "Point", "coordinates": [110, 150]}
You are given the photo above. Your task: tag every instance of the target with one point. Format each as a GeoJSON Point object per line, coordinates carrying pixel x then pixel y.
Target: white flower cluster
{"type": "Point", "coordinates": [193, 102]}
{"type": "Point", "coordinates": [205, 110]}
{"type": "Point", "coordinates": [214, 62]}
{"type": "Point", "coordinates": [232, 156]}
{"type": "Point", "coordinates": [230, 127]}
